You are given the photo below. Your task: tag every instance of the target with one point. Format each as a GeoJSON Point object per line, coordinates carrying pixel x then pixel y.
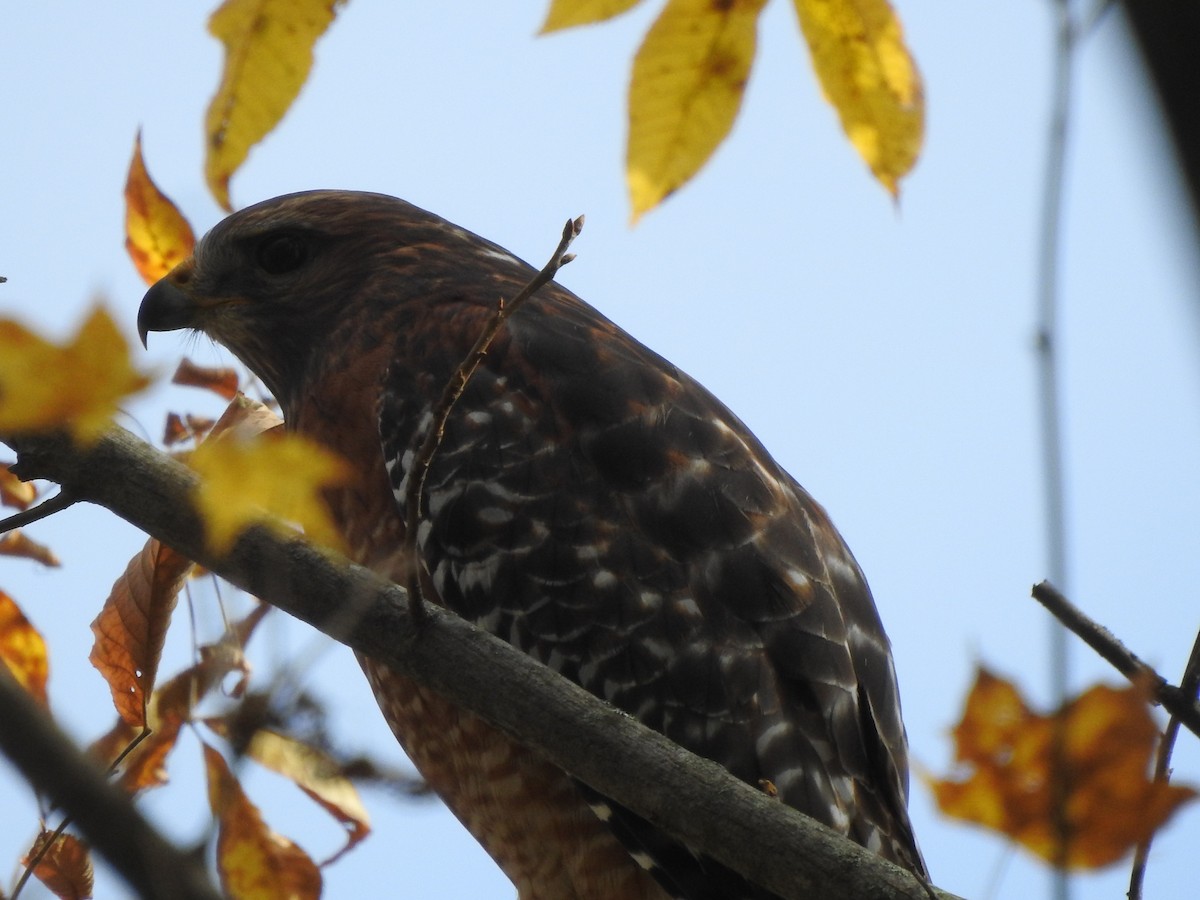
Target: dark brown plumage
{"type": "Point", "coordinates": [590, 504]}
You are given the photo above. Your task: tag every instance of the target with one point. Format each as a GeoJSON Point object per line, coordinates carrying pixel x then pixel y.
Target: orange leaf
{"type": "Point", "coordinates": [22, 649]}
{"type": "Point", "coordinates": [75, 386]}
{"type": "Point", "coordinates": [268, 53]}
{"type": "Point", "coordinates": [314, 772]}
{"type": "Point", "coordinates": [1082, 769]}
{"type": "Point", "coordinates": [157, 236]}
{"type": "Point", "coordinates": [569, 13]}
{"type": "Point", "coordinates": [688, 80]}
{"type": "Point", "coordinates": [220, 380]}
{"type": "Point", "coordinates": [13, 491]}
{"type": "Point", "coordinates": [66, 868]}
{"type": "Point", "coordinates": [869, 76]}
{"type": "Point", "coordinates": [175, 432]}
{"type": "Point", "coordinates": [254, 861]}
{"type": "Point", "coordinates": [132, 626]}
{"type": "Point", "coordinates": [17, 543]}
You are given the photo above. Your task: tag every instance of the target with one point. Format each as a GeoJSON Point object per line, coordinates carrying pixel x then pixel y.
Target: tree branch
{"type": "Point", "coordinates": [1173, 699]}
{"type": "Point", "coordinates": [692, 798]}
{"type": "Point", "coordinates": [50, 762]}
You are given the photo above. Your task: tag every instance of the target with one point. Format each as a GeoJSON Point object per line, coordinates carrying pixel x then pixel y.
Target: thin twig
{"type": "Point", "coordinates": [1173, 699]}
{"type": "Point", "coordinates": [1189, 684]}
{"type": "Point", "coordinates": [45, 509]}
{"type": "Point", "coordinates": [453, 391]}
{"type": "Point", "coordinates": [36, 859]}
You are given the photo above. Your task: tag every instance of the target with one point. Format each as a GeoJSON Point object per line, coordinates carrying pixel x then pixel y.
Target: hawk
{"type": "Point", "coordinates": [590, 504]}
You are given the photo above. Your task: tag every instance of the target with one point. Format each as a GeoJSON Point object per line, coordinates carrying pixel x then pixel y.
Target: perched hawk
{"type": "Point", "coordinates": [590, 504]}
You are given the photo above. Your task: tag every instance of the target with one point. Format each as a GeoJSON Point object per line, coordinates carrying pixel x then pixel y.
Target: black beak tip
{"type": "Point", "coordinates": [164, 308]}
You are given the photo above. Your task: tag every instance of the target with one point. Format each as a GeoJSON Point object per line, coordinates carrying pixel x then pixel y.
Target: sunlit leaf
{"type": "Point", "coordinates": [314, 772]}
{"type": "Point", "coordinates": [22, 649]}
{"type": "Point", "coordinates": [253, 861]}
{"type": "Point", "coordinates": [268, 53]}
{"type": "Point", "coordinates": [687, 86]}
{"type": "Point", "coordinates": [869, 76]}
{"type": "Point", "coordinates": [66, 868]}
{"type": "Point", "coordinates": [132, 626]}
{"type": "Point", "coordinates": [245, 482]}
{"type": "Point", "coordinates": [76, 386]}
{"type": "Point", "coordinates": [13, 491]}
{"type": "Point", "coordinates": [18, 543]}
{"type": "Point", "coordinates": [569, 13]}
{"type": "Point", "coordinates": [157, 235]}
{"type": "Point", "coordinates": [221, 380]}
{"type": "Point", "coordinates": [1100, 744]}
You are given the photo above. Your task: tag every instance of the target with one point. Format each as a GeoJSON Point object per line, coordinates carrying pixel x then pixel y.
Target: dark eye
{"type": "Point", "coordinates": [278, 254]}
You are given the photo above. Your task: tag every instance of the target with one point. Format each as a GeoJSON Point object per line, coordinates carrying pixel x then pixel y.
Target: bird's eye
{"type": "Point", "coordinates": [278, 254]}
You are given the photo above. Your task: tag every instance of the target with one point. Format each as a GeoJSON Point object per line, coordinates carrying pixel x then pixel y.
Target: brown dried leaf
{"type": "Point", "coordinates": [253, 860]}
{"type": "Point", "coordinates": [221, 380]}
{"type": "Point", "coordinates": [22, 649]}
{"type": "Point", "coordinates": [132, 626]}
{"type": "Point", "coordinates": [13, 491]}
{"type": "Point", "coordinates": [66, 868]}
{"type": "Point", "coordinates": [17, 543]}
{"type": "Point", "coordinates": [1100, 743]}
{"type": "Point", "coordinates": [174, 431]}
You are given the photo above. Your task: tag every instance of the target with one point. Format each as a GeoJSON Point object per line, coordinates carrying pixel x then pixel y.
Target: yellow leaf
{"type": "Point", "coordinates": [569, 13]}
{"type": "Point", "coordinates": [254, 861]}
{"type": "Point", "coordinates": [1082, 768]}
{"type": "Point", "coordinates": [157, 235]}
{"type": "Point", "coordinates": [22, 649]}
{"type": "Point", "coordinates": [869, 76]}
{"type": "Point", "coordinates": [268, 53]}
{"type": "Point", "coordinates": [245, 482]}
{"type": "Point", "coordinates": [687, 86]}
{"type": "Point", "coordinates": [76, 386]}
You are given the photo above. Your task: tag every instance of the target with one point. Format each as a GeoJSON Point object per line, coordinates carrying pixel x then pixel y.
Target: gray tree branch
{"type": "Point", "coordinates": [687, 796]}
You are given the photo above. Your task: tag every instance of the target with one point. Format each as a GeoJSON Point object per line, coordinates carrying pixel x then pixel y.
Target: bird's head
{"type": "Point", "coordinates": [274, 282]}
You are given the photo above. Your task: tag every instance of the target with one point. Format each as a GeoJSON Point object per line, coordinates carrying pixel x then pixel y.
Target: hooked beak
{"type": "Point", "coordinates": [167, 306]}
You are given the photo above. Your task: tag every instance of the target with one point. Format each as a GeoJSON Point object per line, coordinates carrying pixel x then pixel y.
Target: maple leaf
{"type": "Point", "coordinates": [157, 236]}
{"type": "Point", "coordinates": [132, 626]}
{"type": "Point", "coordinates": [18, 543]}
{"type": "Point", "coordinates": [268, 54]}
{"type": "Point", "coordinates": [23, 649]}
{"type": "Point", "coordinates": [65, 868]}
{"type": "Point", "coordinates": [253, 861]}
{"type": "Point", "coordinates": [221, 380]}
{"type": "Point", "coordinates": [869, 76]}
{"type": "Point", "coordinates": [246, 482]}
{"type": "Point", "coordinates": [569, 13]}
{"type": "Point", "coordinates": [1099, 744]}
{"type": "Point", "coordinates": [76, 386]}
{"type": "Point", "coordinates": [13, 491]}
{"type": "Point", "coordinates": [688, 80]}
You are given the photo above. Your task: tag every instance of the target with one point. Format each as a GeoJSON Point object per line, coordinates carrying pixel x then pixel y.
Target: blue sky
{"type": "Point", "coordinates": [883, 353]}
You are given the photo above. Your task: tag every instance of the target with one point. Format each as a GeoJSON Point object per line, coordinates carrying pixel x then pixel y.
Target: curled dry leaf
{"type": "Point", "coordinates": [268, 53]}
{"type": "Point", "coordinates": [221, 380]}
{"type": "Point", "coordinates": [22, 649]}
{"type": "Point", "coordinates": [254, 861]}
{"type": "Point", "coordinates": [157, 236]}
{"type": "Point", "coordinates": [18, 543]}
{"type": "Point", "coordinates": [77, 385]}
{"type": "Point", "coordinates": [314, 772]}
{"type": "Point", "coordinates": [65, 868]}
{"type": "Point", "coordinates": [132, 626]}
{"type": "Point", "coordinates": [13, 491]}
{"type": "Point", "coordinates": [688, 80]}
{"type": "Point", "coordinates": [1101, 743]}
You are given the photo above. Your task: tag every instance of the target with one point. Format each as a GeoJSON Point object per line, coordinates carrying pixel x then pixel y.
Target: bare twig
{"type": "Point", "coordinates": [1174, 700]}
{"type": "Point", "coordinates": [45, 509]}
{"type": "Point", "coordinates": [453, 391]}
{"type": "Point", "coordinates": [1189, 684]}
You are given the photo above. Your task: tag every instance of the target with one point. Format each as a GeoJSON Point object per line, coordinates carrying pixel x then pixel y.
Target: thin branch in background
{"type": "Point", "coordinates": [1189, 684]}
{"type": "Point", "coordinates": [45, 509]}
{"type": "Point", "coordinates": [1049, 392]}
{"type": "Point", "coordinates": [1175, 700]}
